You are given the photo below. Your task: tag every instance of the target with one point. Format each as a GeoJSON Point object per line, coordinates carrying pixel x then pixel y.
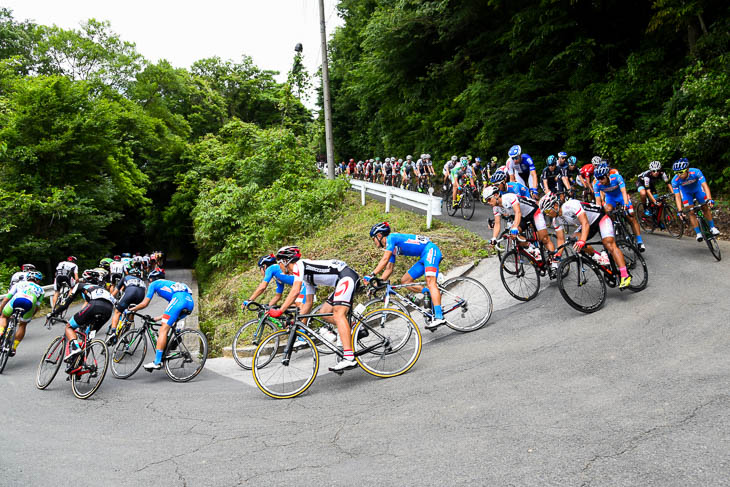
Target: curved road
{"type": "Point", "coordinates": [635, 394]}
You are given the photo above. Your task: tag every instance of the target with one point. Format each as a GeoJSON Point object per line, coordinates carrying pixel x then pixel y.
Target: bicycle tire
{"type": "Point", "coordinates": [646, 222]}
{"type": "Point", "coordinates": [50, 362]}
{"type": "Point", "coordinates": [96, 361]}
{"type": "Point", "coordinates": [457, 313]}
{"type": "Point", "coordinates": [7, 342]}
{"type": "Point", "coordinates": [636, 265]}
{"type": "Point", "coordinates": [379, 303]}
{"type": "Point", "coordinates": [450, 209]}
{"type": "Point", "coordinates": [516, 270]}
{"type": "Point", "coordinates": [710, 240]}
{"type": "Point", "coordinates": [183, 348]}
{"type": "Point", "coordinates": [129, 353]}
{"type": "Point", "coordinates": [278, 380]}
{"type": "Point", "coordinates": [579, 271]}
{"type": "Point", "coordinates": [247, 337]}
{"type": "Point", "coordinates": [672, 223]}
{"type": "Point", "coordinates": [467, 205]}
{"type": "Point", "coordinates": [396, 342]}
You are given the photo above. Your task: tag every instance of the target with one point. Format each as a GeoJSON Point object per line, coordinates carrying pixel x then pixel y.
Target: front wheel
{"type": "Point", "coordinates": [6, 342]}
{"type": "Point", "coordinates": [636, 265]}
{"type": "Point", "coordinates": [282, 377]}
{"type": "Point", "coordinates": [466, 303]}
{"type": "Point", "coordinates": [710, 239]}
{"type": "Point", "coordinates": [185, 355]}
{"type": "Point", "coordinates": [646, 222]}
{"type": "Point", "coordinates": [467, 205]}
{"type": "Point", "coordinates": [520, 275]}
{"type": "Point", "coordinates": [247, 339]}
{"type": "Point", "coordinates": [581, 284]}
{"type": "Point", "coordinates": [450, 208]}
{"type": "Point", "coordinates": [391, 345]}
{"type": "Point", "coordinates": [87, 380]}
{"type": "Point", "coordinates": [50, 362]}
{"type": "Point", "coordinates": [129, 353]}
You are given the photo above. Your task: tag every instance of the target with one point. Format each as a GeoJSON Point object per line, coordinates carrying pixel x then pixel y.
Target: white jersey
{"type": "Point", "coordinates": [137, 258]}
{"type": "Point", "coordinates": [570, 211]}
{"type": "Point", "coordinates": [116, 267]}
{"type": "Point", "coordinates": [146, 258]}
{"type": "Point", "coordinates": [27, 289]}
{"type": "Point", "coordinates": [67, 268]}
{"type": "Point", "coordinates": [527, 205]}
{"type": "Point", "coordinates": [17, 277]}
{"type": "Point", "coordinates": [318, 272]}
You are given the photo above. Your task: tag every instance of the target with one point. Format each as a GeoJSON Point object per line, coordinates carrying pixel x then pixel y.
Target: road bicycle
{"type": "Point", "coordinates": [60, 307]}
{"type": "Point", "coordinates": [126, 323]}
{"type": "Point", "coordinates": [86, 371]}
{"type": "Point", "coordinates": [465, 203]}
{"type": "Point", "coordinates": [582, 281]}
{"type": "Point", "coordinates": [466, 303]}
{"type": "Point", "coordinates": [183, 358]}
{"type": "Point", "coordinates": [622, 228]}
{"type": "Point", "coordinates": [386, 343]}
{"type": "Point", "coordinates": [662, 216]}
{"type": "Point", "coordinates": [7, 339]}
{"type": "Point", "coordinates": [707, 235]}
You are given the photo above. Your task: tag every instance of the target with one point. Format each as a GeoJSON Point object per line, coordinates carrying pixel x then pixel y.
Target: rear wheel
{"type": "Point", "coordinates": [671, 222]}
{"type": "Point", "coordinates": [247, 339]}
{"type": "Point", "coordinates": [185, 355]}
{"type": "Point", "coordinates": [520, 275]}
{"type": "Point", "coordinates": [466, 303]}
{"type": "Point", "coordinates": [50, 362]}
{"type": "Point", "coordinates": [710, 240]}
{"type": "Point", "coordinates": [391, 346]}
{"type": "Point", "coordinates": [6, 342]}
{"type": "Point", "coordinates": [87, 380]}
{"type": "Point", "coordinates": [646, 222]}
{"type": "Point", "coordinates": [636, 265]}
{"type": "Point", "coordinates": [581, 284]}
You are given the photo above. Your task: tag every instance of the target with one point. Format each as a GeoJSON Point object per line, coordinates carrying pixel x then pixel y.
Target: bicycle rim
{"type": "Point", "coordinates": [520, 275]}
{"type": "Point", "coordinates": [50, 363]}
{"type": "Point", "coordinates": [645, 222]}
{"type": "Point", "coordinates": [129, 353]}
{"type": "Point", "coordinates": [392, 345]}
{"type": "Point", "coordinates": [379, 303]}
{"type": "Point", "coordinates": [86, 382]}
{"type": "Point", "coordinates": [672, 223]}
{"type": "Point", "coordinates": [185, 355]}
{"type": "Point", "coordinates": [467, 206]}
{"type": "Point", "coordinates": [466, 303]}
{"type": "Point", "coordinates": [284, 381]}
{"type": "Point", "coordinates": [582, 285]}
{"type": "Point", "coordinates": [247, 339]}
{"type": "Point", "coordinates": [7, 343]}
{"type": "Point", "coordinates": [714, 247]}
{"type": "Point", "coordinates": [636, 265]}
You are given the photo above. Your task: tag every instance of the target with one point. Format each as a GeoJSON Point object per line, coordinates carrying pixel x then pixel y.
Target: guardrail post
{"type": "Point", "coordinates": [362, 194]}
{"type": "Point", "coordinates": [387, 199]}
{"type": "Point", "coordinates": [429, 211]}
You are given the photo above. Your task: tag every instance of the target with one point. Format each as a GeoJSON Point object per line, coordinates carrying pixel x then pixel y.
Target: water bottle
{"type": "Point", "coordinates": [427, 300]}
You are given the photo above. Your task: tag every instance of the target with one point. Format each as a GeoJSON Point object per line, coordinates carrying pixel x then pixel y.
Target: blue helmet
{"type": "Point", "coordinates": [515, 151]}
{"type": "Point", "coordinates": [383, 228]}
{"type": "Point", "coordinates": [572, 160]}
{"type": "Point", "coordinates": [266, 261]}
{"type": "Point", "coordinates": [601, 171]}
{"type": "Point", "coordinates": [680, 164]}
{"type": "Point", "coordinates": [551, 161]}
{"type": "Point", "coordinates": [562, 154]}
{"type": "Point", "coordinates": [477, 159]}
{"type": "Point", "coordinates": [498, 177]}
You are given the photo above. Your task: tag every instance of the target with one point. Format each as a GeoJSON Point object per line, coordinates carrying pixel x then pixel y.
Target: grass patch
{"type": "Point", "coordinates": [346, 238]}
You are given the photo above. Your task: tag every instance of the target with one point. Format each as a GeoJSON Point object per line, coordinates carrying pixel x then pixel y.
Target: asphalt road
{"type": "Point", "coordinates": [635, 394]}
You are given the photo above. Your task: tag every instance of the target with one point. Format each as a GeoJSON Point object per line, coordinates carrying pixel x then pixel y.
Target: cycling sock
{"type": "Point", "coordinates": [624, 272]}
{"type": "Point", "coordinates": [158, 356]}
{"type": "Point", "coordinates": [15, 344]}
{"type": "Point", "coordinates": [438, 312]}
{"type": "Point", "coordinates": [639, 239]}
{"type": "Point", "coordinates": [348, 355]}
{"type": "Point", "coordinates": [697, 230]}
{"type": "Point", "coordinates": [424, 290]}
{"type": "Point", "coordinates": [2, 330]}
{"type": "Point", "coordinates": [712, 223]}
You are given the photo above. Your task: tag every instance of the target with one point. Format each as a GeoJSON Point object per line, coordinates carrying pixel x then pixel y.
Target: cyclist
{"type": "Point", "coordinates": [351, 167]}
{"type": "Point", "coordinates": [99, 301]}
{"type": "Point", "coordinates": [521, 169]}
{"type": "Point", "coordinates": [377, 170]}
{"type": "Point", "coordinates": [478, 169]}
{"type": "Point", "coordinates": [646, 184]}
{"type": "Point", "coordinates": [359, 169]}
{"type": "Point", "coordinates": [610, 191]}
{"type": "Point", "coordinates": [405, 172]}
{"type": "Point", "coordinates": [458, 174]}
{"type": "Point", "coordinates": [412, 246]}
{"type": "Point", "coordinates": [499, 178]}
{"type": "Point", "coordinates": [387, 171]}
{"type": "Point", "coordinates": [397, 163]}
{"type": "Point", "coordinates": [331, 273]}
{"type": "Point", "coordinates": [571, 175]}
{"type": "Point", "coordinates": [133, 288]}
{"type": "Point", "coordinates": [27, 295]}
{"type": "Point", "coordinates": [448, 166]}
{"type": "Point", "coordinates": [429, 168]}
{"type": "Point", "coordinates": [20, 275]}
{"type": "Point", "coordinates": [368, 169]}
{"type": "Point", "coordinates": [270, 270]}
{"type": "Point", "coordinates": [690, 184]}
{"type": "Point", "coordinates": [66, 272]}
{"type": "Point", "coordinates": [421, 173]}
{"type": "Point", "coordinates": [180, 297]}
{"type": "Point", "coordinates": [116, 270]}
{"type": "Point", "coordinates": [592, 219]}
{"type": "Point", "coordinates": [522, 210]}
{"type": "Point", "coordinates": [552, 177]}
{"type": "Point", "coordinates": [492, 166]}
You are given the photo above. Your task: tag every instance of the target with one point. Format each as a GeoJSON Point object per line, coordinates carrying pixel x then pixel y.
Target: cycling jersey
{"type": "Point", "coordinates": [332, 273]}
{"type": "Point", "coordinates": [178, 294]}
{"type": "Point", "coordinates": [368, 168]}
{"type": "Point", "coordinates": [457, 174]}
{"type": "Point", "coordinates": [66, 268]}
{"type": "Point", "coordinates": [360, 167]}
{"type": "Point", "coordinates": [517, 188]}
{"type": "Point", "coordinates": [571, 174]}
{"type": "Point", "coordinates": [91, 292]}
{"type": "Point", "coordinates": [597, 218]}
{"type": "Point", "coordinates": [690, 188]}
{"type": "Point", "coordinates": [134, 292]}
{"type": "Point", "coordinates": [553, 177]}
{"type": "Point", "coordinates": [275, 272]}
{"type": "Point", "coordinates": [351, 167]}
{"type": "Point", "coordinates": [521, 169]}
{"type": "Point", "coordinates": [166, 289]}
{"type": "Point", "coordinates": [528, 208]}
{"type": "Point", "coordinates": [132, 281]}
{"type": "Point", "coordinates": [448, 167]}
{"type": "Point", "coordinates": [647, 180]}
{"type": "Point", "coordinates": [25, 295]}
{"type": "Point", "coordinates": [419, 166]}
{"type": "Point", "coordinates": [415, 246]}
{"type": "Point", "coordinates": [387, 168]}
{"type": "Point", "coordinates": [613, 188]}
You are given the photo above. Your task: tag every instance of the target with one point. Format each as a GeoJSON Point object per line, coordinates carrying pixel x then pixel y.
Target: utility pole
{"type": "Point", "coordinates": [326, 94]}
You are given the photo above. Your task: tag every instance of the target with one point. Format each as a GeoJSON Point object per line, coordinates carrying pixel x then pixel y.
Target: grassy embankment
{"type": "Point", "coordinates": [345, 239]}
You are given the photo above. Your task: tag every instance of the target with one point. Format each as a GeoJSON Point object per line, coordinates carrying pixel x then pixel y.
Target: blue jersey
{"type": "Point", "coordinates": [275, 272]}
{"type": "Point", "coordinates": [165, 289]}
{"type": "Point", "coordinates": [517, 188]}
{"type": "Point", "coordinates": [691, 184]}
{"type": "Point", "coordinates": [406, 244]}
{"type": "Point", "coordinates": [525, 165]}
{"type": "Point", "coordinates": [613, 188]}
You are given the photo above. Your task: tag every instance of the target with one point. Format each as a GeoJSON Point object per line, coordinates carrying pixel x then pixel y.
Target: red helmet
{"type": "Point", "coordinates": [352, 160]}
{"type": "Point", "coordinates": [117, 257]}
{"type": "Point", "coordinates": [71, 258]}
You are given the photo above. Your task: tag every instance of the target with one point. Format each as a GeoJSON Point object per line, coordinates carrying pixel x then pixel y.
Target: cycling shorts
{"type": "Point", "coordinates": [344, 288]}
{"type": "Point", "coordinates": [428, 264]}
{"type": "Point", "coordinates": [19, 302]}
{"type": "Point", "coordinates": [61, 279]}
{"type": "Point", "coordinates": [132, 295]}
{"type": "Point", "coordinates": [603, 225]}
{"type": "Point", "coordinates": [688, 197]}
{"type": "Point", "coordinates": [640, 186]}
{"type": "Point", "coordinates": [616, 201]}
{"type": "Point", "coordinates": [537, 217]}
{"type": "Point", "coordinates": [181, 305]}
{"type": "Point", "coordinates": [87, 317]}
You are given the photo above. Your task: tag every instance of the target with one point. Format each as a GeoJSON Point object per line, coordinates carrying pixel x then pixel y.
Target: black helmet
{"type": "Point", "coordinates": [383, 228]}
{"type": "Point", "coordinates": [135, 271]}
{"type": "Point", "coordinates": [91, 276]}
{"type": "Point", "coordinates": [156, 274]}
{"type": "Point", "coordinates": [266, 261]}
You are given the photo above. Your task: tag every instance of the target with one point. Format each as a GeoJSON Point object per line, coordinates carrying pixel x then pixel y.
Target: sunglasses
{"type": "Point", "coordinates": [681, 172]}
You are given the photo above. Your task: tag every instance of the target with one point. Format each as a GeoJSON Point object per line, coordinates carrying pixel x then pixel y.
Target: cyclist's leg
{"type": "Point", "coordinates": [415, 272]}
{"type": "Point", "coordinates": [431, 261]}
{"type": "Point", "coordinates": [180, 306]}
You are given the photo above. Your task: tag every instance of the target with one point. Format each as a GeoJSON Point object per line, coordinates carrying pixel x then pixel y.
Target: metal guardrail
{"type": "Point", "coordinates": [428, 202]}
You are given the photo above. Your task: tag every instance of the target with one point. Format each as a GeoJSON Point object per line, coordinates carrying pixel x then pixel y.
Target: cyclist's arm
{"type": "Point", "coordinates": [533, 179]}
{"type": "Point", "coordinates": [145, 302]}
{"type": "Point", "coordinates": [383, 262]}
{"type": "Point", "coordinates": [585, 226]}
{"type": "Point", "coordinates": [275, 299]}
{"type": "Point", "coordinates": [258, 291]}
{"type": "Point", "coordinates": [497, 225]}
{"type": "Point", "coordinates": [627, 201]}
{"type": "Point", "coordinates": [566, 183]}
{"type": "Point", "coordinates": [388, 271]}
{"type": "Point", "coordinates": [518, 215]}
{"type": "Point", "coordinates": [545, 185]}
{"type": "Point", "coordinates": [706, 189]}
{"type": "Point", "coordinates": [296, 288]}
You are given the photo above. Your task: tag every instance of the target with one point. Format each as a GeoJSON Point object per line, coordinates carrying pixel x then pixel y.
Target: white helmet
{"type": "Point", "coordinates": [408, 158]}
{"type": "Point", "coordinates": [387, 159]}
{"type": "Point", "coordinates": [596, 160]}
{"type": "Point", "coordinates": [548, 201]}
{"type": "Point", "coordinates": [454, 158]}
{"type": "Point", "coordinates": [655, 166]}
{"type": "Point", "coordinates": [489, 191]}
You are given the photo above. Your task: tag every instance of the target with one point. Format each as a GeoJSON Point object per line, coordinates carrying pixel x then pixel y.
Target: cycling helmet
{"type": "Point", "coordinates": [477, 159]}
{"type": "Point", "coordinates": [126, 254]}
{"type": "Point", "coordinates": [655, 166]}
{"type": "Point", "coordinates": [498, 177]}
{"type": "Point", "coordinates": [156, 274]}
{"type": "Point", "coordinates": [596, 160]}
{"type": "Point", "coordinates": [551, 161]}
{"type": "Point", "coordinates": [515, 151]}
{"type": "Point", "coordinates": [494, 159]}
{"type": "Point", "coordinates": [34, 276]}
{"type": "Point", "coordinates": [468, 158]}
{"type": "Point", "coordinates": [383, 228]}
{"type": "Point", "coordinates": [288, 254]}
{"type": "Point", "coordinates": [266, 261]}
{"type": "Point", "coordinates": [601, 171]}
{"type": "Point", "coordinates": [680, 164]}
{"type": "Point", "coordinates": [428, 156]}
{"type": "Point", "coordinates": [408, 158]}
{"type": "Point", "coordinates": [377, 159]}
{"type": "Point", "coordinates": [547, 202]}
{"type": "Point", "coordinates": [104, 264]}
{"type": "Point", "coordinates": [572, 160]}
{"type": "Point", "coordinates": [489, 191]}
{"type": "Point", "coordinates": [71, 258]}
{"type": "Point", "coordinates": [352, 160]}
{"type": "Point", "coordinates": [27, 267]}
{"type": "Point", "coordinates": [117, 257]}
{"type": "Point", "coordinates": [135, 272]}
{"type": "Point", "coordinates": [400, 161]}
{"type": "Point", "coordinates": [91, 276]}
{"type": "Point", "coordinates": [454, 158]}
{"type": "Point", "coordinates": [387, 159]}
{"type": "Point", "coordinates": [562, 154]}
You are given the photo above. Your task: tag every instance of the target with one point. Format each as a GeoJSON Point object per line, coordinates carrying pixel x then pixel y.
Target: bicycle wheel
{"type": "Point", "coordinates": [247, 339]}
{"type": "Point", "coordinates": [129, 353]}
{"type": "Point", "coordinates": [283, 378]}
{"type": "Point", "coordinates": [379, 303]}
{"type": "Point", "coordinates": [466, 303]}
{"type": "Point", "coordinates": [646, 222]}
{"type": "Point", "coordinates": [467, 205]}
{"type": "Point", "coordinates": [50, 362]}
{"type": "Point", "coordinates": [185, 355]}
{"type": "Point", "coordinates": [450, 209]}
{"type": "Point", "coordinates": [392, 345]}
{"type": "Point", "coordinates": [672, 223]}
{"type": "Point", "coordinates": [520, 275]}
{"type": "Point", "coordinates": [636, 265]}
{"type": "Point", "coordinates": [6, 344]}
{"type": "Point", "coordinates": [582, 285]}
{"type": "Point", "coordinates": [710, 240]}
{"type": "Point", "coordinates": [86, 381]}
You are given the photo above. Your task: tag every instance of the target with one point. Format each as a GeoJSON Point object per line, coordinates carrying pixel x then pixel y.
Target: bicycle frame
{"type": "Point", "coordinates": [390, 291]}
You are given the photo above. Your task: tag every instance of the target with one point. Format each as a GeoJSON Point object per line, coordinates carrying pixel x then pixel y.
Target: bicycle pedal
{"type": "Point", "coordinates": [338, 372]}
